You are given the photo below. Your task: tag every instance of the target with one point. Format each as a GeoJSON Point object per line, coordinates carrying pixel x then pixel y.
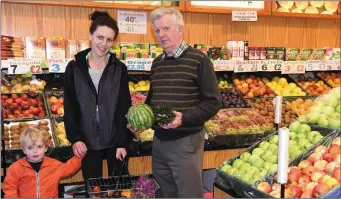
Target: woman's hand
{"type": "Point", "coordinates": [121, 153]}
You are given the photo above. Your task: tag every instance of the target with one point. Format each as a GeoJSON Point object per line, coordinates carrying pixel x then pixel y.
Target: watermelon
{"type": "Point", "coordinates": [140, 117]}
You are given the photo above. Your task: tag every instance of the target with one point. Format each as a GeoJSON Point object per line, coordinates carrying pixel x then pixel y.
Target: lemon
{"type": "Point", "coordinates": [282, 81]}
{"type": "Point", "coordinates": [141, 83]}
{"type": "Point", "coordinates": [292, 85]}
{"type": "Point", "coordinates": [131, 88]}
{"type": "Point", "coordinates": [275, 79]}
{"type": "Point", "coordinates": [131, 83]}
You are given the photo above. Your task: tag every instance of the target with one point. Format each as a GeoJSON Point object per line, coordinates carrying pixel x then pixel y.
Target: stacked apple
{"type": "Point", "coordinates": [283, 88]}
{"type": "Point", "coordinates": [23, 106]}
{"type": "Point", "coordinates": [313, 177]}
{"type": "Point", "coordinates": [266, 108]}
{"type": "Point", "coordinates": [21, 83]}
{"type": "Point", "coordinates": [332, 78]}
{"type": "Point", "coordinates": [61, 134]}
{"type": "Point", "coordinates": [252, 86]}
{"type": "Point", "coordinates": [222, 81]}
{"type": "Point", "coordinates": [312, 85]}
{"type": "Point", "coordinates": [326, 111]}
{"type": "Point", "coordinates": [300, 106]}
{"type": "Point", "coordinates": [301, 138]}
{"type": "Point", "coordinates": [57, 105]}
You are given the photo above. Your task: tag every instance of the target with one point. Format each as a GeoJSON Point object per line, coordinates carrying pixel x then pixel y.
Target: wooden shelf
{"type": "Point", "coordinates": [266, 11]}
{"type": "Point", "coordinates": [52, 3]}
{"type": "Point", "coordinates": [130, 6]}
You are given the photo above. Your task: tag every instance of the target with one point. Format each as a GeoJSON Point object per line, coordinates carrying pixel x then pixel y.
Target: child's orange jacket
{"type": "Point", "coordinates": [22, 181]}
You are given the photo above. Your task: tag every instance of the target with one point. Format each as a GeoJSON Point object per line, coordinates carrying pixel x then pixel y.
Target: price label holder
{"type": "Point", "coordinates": [223, 65]}
{"type": "Point", "coordinates": [142, 64]}
{"type": "Point", "coordinates": [293, 67]}
{"type": "Point", "coordinates": [25, 66]}
{"type": "Point", "coordinates": [246, 66]}
{"type": "Point", "coordinates": [132, 22]}
{"type": "Point", "coordinates": [335, 64]}
{"type": "Point", "coordinates": [57, 65]}
{"type": "Point", "coordinates": [319, 65]}
{"type": "Point", "coordinates": [270, 65]}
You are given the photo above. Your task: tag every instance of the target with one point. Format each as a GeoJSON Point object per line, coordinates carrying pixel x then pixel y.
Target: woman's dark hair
{"type": "Point", "coordinates": [103, 19]}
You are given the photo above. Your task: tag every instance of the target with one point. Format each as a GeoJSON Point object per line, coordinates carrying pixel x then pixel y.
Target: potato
{"type": "Point", "coordinates": [15, 142]}
{"type": "Point", "coordinates": [14, 127]}
{"type": "Point", "coordinates": [23, 124]}
{"type": "Point", "coordinates": [15, 137]}
{"type": "Point", "coordinates": [16, 132]}
{"type": "Point", "coordinates": [6, 128]}
{"type": "Point", "coordinates": [43, 127]}
{"type": "Point", "coordinates": [43, 122]}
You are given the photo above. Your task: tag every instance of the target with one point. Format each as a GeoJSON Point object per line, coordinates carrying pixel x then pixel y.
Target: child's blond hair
{"type": "Point", "coordinates": [32, 135]}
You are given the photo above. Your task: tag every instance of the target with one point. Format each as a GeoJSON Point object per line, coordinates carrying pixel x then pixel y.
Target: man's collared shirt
{"type": "Point", "coordinates": [178, 51]}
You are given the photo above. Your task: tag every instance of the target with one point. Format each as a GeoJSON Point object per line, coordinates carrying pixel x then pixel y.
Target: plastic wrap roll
{"type": "Point", "coordinates": [278, 109]}
{"type": "Point", "coordinates": [283, 155]}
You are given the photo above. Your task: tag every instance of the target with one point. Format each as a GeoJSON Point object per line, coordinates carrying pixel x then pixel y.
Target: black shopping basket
{"type": "Point", "coordinates": [123, 186]}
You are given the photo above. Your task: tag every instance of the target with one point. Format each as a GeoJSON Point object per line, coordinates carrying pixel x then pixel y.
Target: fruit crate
{"type": "Point", "coordinates": [229, 181]}
{"type": "Point", "coordinates": [239, 102]}
{"type": "Point", "coordinates": [59, 143]}
{"type": "Point", "coordinates": [56, 97]}
{"type": "Point", "coordinates": [299, 111]}
{"type": "Point", "coordinates": [24, 106]}
{"type": "Point", "coordinates": [309, 77]}
{"type": "Point", "coordinates": [331, 78]}
{"type": "Point", "coordinates": [327, 141]}
{"type": "Point", "coordinates": [123, 186]}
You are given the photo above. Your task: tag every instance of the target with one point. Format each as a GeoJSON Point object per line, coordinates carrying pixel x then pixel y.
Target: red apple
{"type": "Point", "coordinates": [276, 187]}
{"type": "Point", "coordinates": [337, 158]}
{"type": "Point", "coordinates": [310, 186]}
{"type": "Point", "coordinates": [60, 111]}
{"type": "Point", "coordinates": [54, 109]}
{"type": "Point", "coordinates": [24, 105]}
{"type": "Point", "coordinates": [337, 173]}
{"type": "Point", "coordinates": [294, 174]}
{"type": "Point", "coordinates": [303, 164]}
{"type": "Point", "coordinates": [30, 115]}
{"type": "Point", "coordinates": [32, 94]}
{"type": "Point", "coordinates": [309, 170]}
{"type": "Point", "coordinates": [275, 194]}
{"type": "Point", "coordinates": [331, 183]}
{"type": "Point", "coordinates": [18, 100]}
{"type": "Point", "coordinates": [334, 149]}
{"type": "Point", "coordinates": [9, 101]}
{"type": "Point", "coordinates": [264, 186]}
{"type": "Point", "coordinates": [321, 165]}
{"type": "Point", "coordinates": [337, 141]}
{"type": "Point", "coordinates": [34, 102]}
{"type": "Point", "coordinates": [4, 97]}
{"type": "Point", "coordinates": [317, 175]}
{"type": "Point", "coordinates": [53, 99]}
{"type": "Point", "coordinates": [13, 106]}
{"type": "Point", "coordinates": [40, 104]}
{"type": "Point", "coordinates": [319, 190]}
{"type": "Point", "coordinates": [34, 110]}
{"type": "Point", "coordinates": [314, 157]}
{"type": "Point", "coordinates": [26, 112]}
{"type": "Point", "coordinates": [303, 180]}
{"type": "Point", "coordinates": [61, 100]}
{"type": "Point", "coordinates": [330, 167]}
{"type": "Point", "coordinates": [7, 111]}
{"type": "Point", "coordinates": [10, 116]}
{"type": "Point", "coordinates": [328, 157]}
{"type": "Point", "coordinates": [14, 96]}
{"type": "Point", "coordinates": [288, 193]}
{"type": "Point", "coordinates": [321, 150]}
{"type": "Point", "coordinates": [296, 191]}
{"type": "Point", "coordinates": [41, 114]}
{"type": "Point", "coordinates": [24, 96]}
{"type": "Point", "coordinates": [4, 104]}
{"type": "Point", "coordinates": [323, 179]}
{"type": "Point", "coordinates": [307, 194]}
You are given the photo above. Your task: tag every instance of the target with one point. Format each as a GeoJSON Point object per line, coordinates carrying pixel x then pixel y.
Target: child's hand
{"type": "Point", "coordinates": [79, 149]}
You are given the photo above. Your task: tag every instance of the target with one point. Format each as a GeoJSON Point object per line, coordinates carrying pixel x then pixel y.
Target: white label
{"type": "Point", "coordinates": [318, 65]}
{"type": "Point", "coordinates": [144, 64]}
{"type": "Point", "coordinates": [57, 65]}
{"type": "Point", "coordinates": [132, 22]}
{"type": "Point", "coordinates": [223, 65]}
{"type": "Point", "coordinates": [244, 15]}
{"type": "Point", "coordinates": [293, 67]}
{"type": "Point", "coordinates": [24, 66]}
{"type": "Point", "coordinates": [270, 65]}
{"type": "Point", "coordinates": [246, 66]}
{"type": "Point", "coordinates": [335, 64]}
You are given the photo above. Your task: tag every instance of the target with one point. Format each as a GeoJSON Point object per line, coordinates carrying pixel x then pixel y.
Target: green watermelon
{"type": "Point", "coordinates": [140, 117]}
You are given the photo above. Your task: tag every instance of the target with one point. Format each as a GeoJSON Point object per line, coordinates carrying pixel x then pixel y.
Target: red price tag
{"type": "Point", "coordinates": [36, 69]}
{"type": "Point", "coordinates": [294, 67]}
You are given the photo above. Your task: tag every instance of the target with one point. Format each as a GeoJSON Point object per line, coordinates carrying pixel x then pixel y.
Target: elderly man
{"type": "Point", "coordinates": [183, 78]}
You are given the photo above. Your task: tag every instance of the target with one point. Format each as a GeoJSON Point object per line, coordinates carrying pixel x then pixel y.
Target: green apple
{"type": "Point", "coordinates": [267, 165]}
{"type": "Point", "coordinates": [231, 170]}
{"type": "Point", "coordinates": [253, 158]}
{"type": "Point", "coordinates": [300, 137]}
{"type": "Point", "coordinates": [274, 139]}
{"type": "Point", "coordinates": [262, 172]}
{"type": "Point", "coordinates": [273, 168]}
{"type": "Point", "coordinates": [258, 163]}
{"type": "Point", "coordinates": [302, 119]}
{"type": "Point", "coordinates": [253, 169]}
{"type": "Point", "coordinates": [273, 148]}
{"type": "Point", "coordinates": [328, 110]}
{"type": "Point", "coordinates": [312, 134]}
{"type": "Point", "coordinates": [246, 177]}
{"type": "Point", "coordinates": [323, 122]}
{"type": "Point", "coordinates": [292, 142]}
{"type": "Point", "coordinates": [273, 159]}
{"type": "Point", "coordinates": [313, 117]}
{"type": "Point", "coordinates": [304, 128]}
{"type": "Point", "coordinates": [225, 167]}
{"type": "Point", "coordinates": [334, 124]}
{"type": "Point", "coordinates": [256, 178]}
{"type": "Point", "coordinates": [293, 148]}
{"type": "Point", "coordinates": [294, 126]}
{"type": "Point", "coordinates": [338, 109]}
{"type": "Point", "coordinates": [237, 163]}
{"type": "Point", "coordinates": [293, 154]}
{"type": "Point", "coordinates": [335, 116]}
{"type": "Point", "coordinates": [238, 174]}
{"type": "Point", "coordinates": [257, 151]}
{"type": "Point", "coordinates": [308, 145]}
{"type": "Point", "coordinates": [302, 142]}
{"type": "Point", "coordinates": [264, 145]}
{"type": "Point", "coordinates": [292, 135]}
{"type": "Point", "coordinates": [317, 139]}
{"type": "Point", "coordinates": [266, 154]}
{"type": "Point", "coordinates": [245, 156]}
{"type": "Point", "coordinates": [245, 166]}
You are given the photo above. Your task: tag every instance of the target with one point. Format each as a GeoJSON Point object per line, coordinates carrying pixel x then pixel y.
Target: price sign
{"type": "Point", "coordinates": [270, 65]}
{"type": "Point", "coordinates": [223, 65]}
{"type": "Point", "coordinates": [335, 65]}
{"type": "Point", "coordinates": [132, 22]}
{"type": "Point", "coordinates": [144, 64]}
{"type": "Point", "coordinates": [57, 65]}
{"type": "Point", "coordinates": [293, 67]}
{"type": "Point", "coordinates": [246, 66]}
{"type": "Point", "coordinates": [24, 66]}
{"type": "Point", "coordinates": [318, 65]}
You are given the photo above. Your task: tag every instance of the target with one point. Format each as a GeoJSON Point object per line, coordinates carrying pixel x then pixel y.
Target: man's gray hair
{"type": "Point", "coordinates": [176, 15]}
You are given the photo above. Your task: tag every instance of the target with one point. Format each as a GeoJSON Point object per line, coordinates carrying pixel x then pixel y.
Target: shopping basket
{"type": "Point", "coordinates": [123, 186]}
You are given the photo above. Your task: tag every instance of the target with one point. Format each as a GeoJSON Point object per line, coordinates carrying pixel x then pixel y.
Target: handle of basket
{"type": "Point", "coordinates": [124, 163]}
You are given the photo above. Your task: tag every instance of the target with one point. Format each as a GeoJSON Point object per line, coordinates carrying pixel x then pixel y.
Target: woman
{"type": "Point", "coordinates": [96, 100]}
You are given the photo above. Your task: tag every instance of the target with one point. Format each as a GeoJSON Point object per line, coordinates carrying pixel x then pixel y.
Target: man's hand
{"type": "Point", "coordinates": [176, 122]}
{"type": "Point", "coordinates": [121, 153]}
{"type": "Point", "coordinates": [135, 131]}
{"type": "Point", "coordinates": [79, 149]}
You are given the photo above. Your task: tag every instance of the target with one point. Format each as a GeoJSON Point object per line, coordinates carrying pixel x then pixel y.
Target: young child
{"type": "Point", "coordinates": [37, 176]}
